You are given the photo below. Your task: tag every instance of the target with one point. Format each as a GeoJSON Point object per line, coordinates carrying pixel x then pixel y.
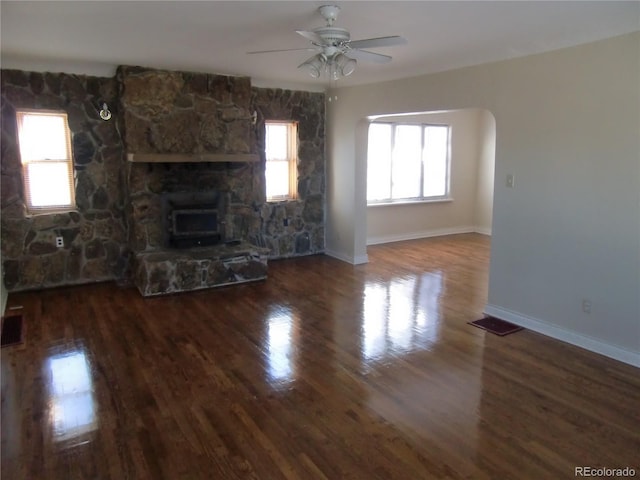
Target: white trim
{"type": "Point", "coordinates": [420, 201]}
{"type": "Point", "coordinates": [483, 230]}
{"type": "Point", "coordinates": [338, 256]}
{"type": "Point", "coordinates": [360, 259]}
{"type": "Point", "coordinates": [437, 232]}
{"type": "Point", "coordinates": [612, 351]}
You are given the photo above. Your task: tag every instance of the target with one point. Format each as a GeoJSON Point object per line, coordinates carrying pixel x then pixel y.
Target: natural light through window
{"type": "Point", "coordinates": [402, 315]}
{"type": "Point", "coordinates": [436, 161]}
{"type": "Point", "coordinates": [407, 162]}
{"type": "Point", "coordinates": [281, 173]}
{"type": "Point", "coordinates": [72, 403]}
{"type": "Point", "coordinates": [281, 332]}
{"type": "Point", "coordinates": [45, 152]}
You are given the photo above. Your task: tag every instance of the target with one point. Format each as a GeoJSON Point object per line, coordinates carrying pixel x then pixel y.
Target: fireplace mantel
{"type": "Point", "coordinates": [191, 157]}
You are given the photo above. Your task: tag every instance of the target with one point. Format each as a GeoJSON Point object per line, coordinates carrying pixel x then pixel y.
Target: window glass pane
{"type": "Point", "coordinates": [406, 161]}
{"type": "Point", "coordinates": [43, 137]}
{"type": "Point", "coordinates": [277, 178]}
{"type": "Point", "coordinates": [379, 162]}
{"type": "Point", "coordinates": [281, 155]}
{"type": "Point", "coordinates": [49, 184]}
{"type": "Point", "coordinates": [276, 141]}
{"type": "Point", "coordinates": [436, 146]}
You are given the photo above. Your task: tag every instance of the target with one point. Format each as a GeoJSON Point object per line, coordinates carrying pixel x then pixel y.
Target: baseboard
{"type": "Point", "coordinates": [357, 260]}
{"type": "Point", "coordinates": [360, 259]}
{"type": "Point", "coordinates": [588, 343]}
{"type": "Point", "coordinates": [483, 230]}
{"type": "Point", "coordinates": [436, 232]}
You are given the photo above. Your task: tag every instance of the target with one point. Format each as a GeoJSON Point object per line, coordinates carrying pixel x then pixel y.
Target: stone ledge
{"type": "Point", "coordinates": [173, 271]}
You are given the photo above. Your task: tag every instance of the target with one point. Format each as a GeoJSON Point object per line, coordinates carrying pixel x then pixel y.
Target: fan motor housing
{"type": "Point", "coordinates": [333, 35]}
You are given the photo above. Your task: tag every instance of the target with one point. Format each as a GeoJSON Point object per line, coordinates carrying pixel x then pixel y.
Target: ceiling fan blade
{"type": "Point", "coordinates": [368, 56]}
{"type": "Point", "coordinates": [313, 36]}
{"type": "Point", "coordinates": [283, 50]}
{"type": "Point", "coordinates": [378, 42]}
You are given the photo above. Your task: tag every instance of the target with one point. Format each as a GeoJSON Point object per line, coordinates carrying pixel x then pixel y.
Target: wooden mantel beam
{"type": "Point", "coordinates": [191, 157]}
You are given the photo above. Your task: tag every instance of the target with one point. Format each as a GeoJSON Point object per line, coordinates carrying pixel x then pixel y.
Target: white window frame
{"type": "Point", "coordinates": [67, 161]}
{"type": "Point", "coordinates": [291, 160]}
{"type": "Point", "coordinates": [421, 198]}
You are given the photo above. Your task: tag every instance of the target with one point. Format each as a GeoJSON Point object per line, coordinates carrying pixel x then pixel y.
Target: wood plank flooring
{"type": "Point", "coordinates": [323, 371]}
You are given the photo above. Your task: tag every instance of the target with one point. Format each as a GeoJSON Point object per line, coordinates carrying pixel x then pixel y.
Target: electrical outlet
{"type": "Point", "coordinates": [59, 242]}
{"type": "Point", "coordinates": [510, 181]}
{"type": "Point", "coordinates": [586, 305]}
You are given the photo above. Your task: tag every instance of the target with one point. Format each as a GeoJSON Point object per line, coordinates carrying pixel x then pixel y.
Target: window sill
{"type": "Point", "coordinates": [281, 200]}
{"type": "Point", "coordinates": [411, 202]}
{"type": "Point", "coordinates": [59, 211]}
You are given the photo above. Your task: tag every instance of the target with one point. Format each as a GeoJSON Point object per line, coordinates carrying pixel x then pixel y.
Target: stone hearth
{"type": "Point", "coordinates": [173, 271]}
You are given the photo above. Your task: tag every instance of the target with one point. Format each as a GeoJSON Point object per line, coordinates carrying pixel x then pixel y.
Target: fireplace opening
{"type": "Point", "coordinates": [194, 222]}
{"type": "Point", "coordinates": [193, 219]}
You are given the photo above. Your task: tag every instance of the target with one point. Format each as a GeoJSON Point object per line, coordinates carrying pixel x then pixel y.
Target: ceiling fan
{"type": "Point", "coordinates": [337, 53]}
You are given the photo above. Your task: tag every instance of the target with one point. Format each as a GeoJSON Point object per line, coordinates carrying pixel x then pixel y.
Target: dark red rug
{"type": "Point", "coordinates": [495, 325]}
{"type": "Point", "coordinates": [12, 330]}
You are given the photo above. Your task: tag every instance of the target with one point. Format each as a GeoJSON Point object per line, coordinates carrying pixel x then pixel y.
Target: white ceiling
{"type": "Point", "coordinates": [93, 37]}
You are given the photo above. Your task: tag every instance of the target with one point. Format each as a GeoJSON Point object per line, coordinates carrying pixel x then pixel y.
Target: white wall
{"type": "Point", "coordinates": [567, 125]}
{"type": "Point", "coordinates": [471, 197]}
{"type": "Point", "coordinates": [483, 214]}
{"type": "Point", "coordinates": [341, 218]}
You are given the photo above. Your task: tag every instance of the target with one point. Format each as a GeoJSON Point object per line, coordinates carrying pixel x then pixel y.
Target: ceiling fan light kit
{"type": "Point", "coordinates": [338, 65]}
{"type": "Point", "coordinates": [346, 66]}
{"type": "Point", "coordinates": [315, 65]}
{"type": "Point", "coordinates": [338, 55]}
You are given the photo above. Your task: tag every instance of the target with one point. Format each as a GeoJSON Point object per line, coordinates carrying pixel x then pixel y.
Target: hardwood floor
{"type": "Point", "coordinates": [324, 371]}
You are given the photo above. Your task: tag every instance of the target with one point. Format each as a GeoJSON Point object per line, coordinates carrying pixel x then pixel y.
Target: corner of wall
{"type": "Point", "coordinates": [483, 214]}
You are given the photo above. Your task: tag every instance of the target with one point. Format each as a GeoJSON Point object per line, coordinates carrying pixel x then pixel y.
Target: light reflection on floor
{"type": "Point", "coordinates": [280, 331]}
{"type": "Point", "coordinates": [401, 315]}
{"type": "Point", "coordinates": [71, 405]}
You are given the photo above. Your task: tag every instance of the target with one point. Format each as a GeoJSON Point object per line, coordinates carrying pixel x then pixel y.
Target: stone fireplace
{"type": "Point", "coordinates": [187, 229]}
{"type": "Point", "coordinates": [191, 180]}
{"type": "Point", "coordinates": [172, 133]}
{"type": "Point", "coordinates": [190, 226]}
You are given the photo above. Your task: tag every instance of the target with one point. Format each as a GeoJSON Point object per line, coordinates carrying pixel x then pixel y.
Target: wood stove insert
{"type": "Point", "coordinates": [193, 219]}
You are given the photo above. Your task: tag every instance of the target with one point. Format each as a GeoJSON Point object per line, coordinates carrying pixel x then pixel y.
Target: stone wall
{"type": "Point", "coordinates": [295, 227]}
{"type": "Point", "coordinates": [118, 211]}
{"type": "Point", "coordinates": [94, 235]}
{"type": "Point", "coordinates": [184, 112]}
{"type": "Point", "coordinates": [180, 112]}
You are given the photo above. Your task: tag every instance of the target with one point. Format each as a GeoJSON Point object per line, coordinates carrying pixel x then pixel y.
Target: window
{"type": "Point", "coordinates": [407, 162]}
{"type": "Point", "coordinates": [47, 164]}
{"type": "Point", "coordinates": [281, 151]}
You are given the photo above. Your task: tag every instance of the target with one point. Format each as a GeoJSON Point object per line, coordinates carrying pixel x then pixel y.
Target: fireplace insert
{"type": "Point", "coordinates": [193, 219]}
